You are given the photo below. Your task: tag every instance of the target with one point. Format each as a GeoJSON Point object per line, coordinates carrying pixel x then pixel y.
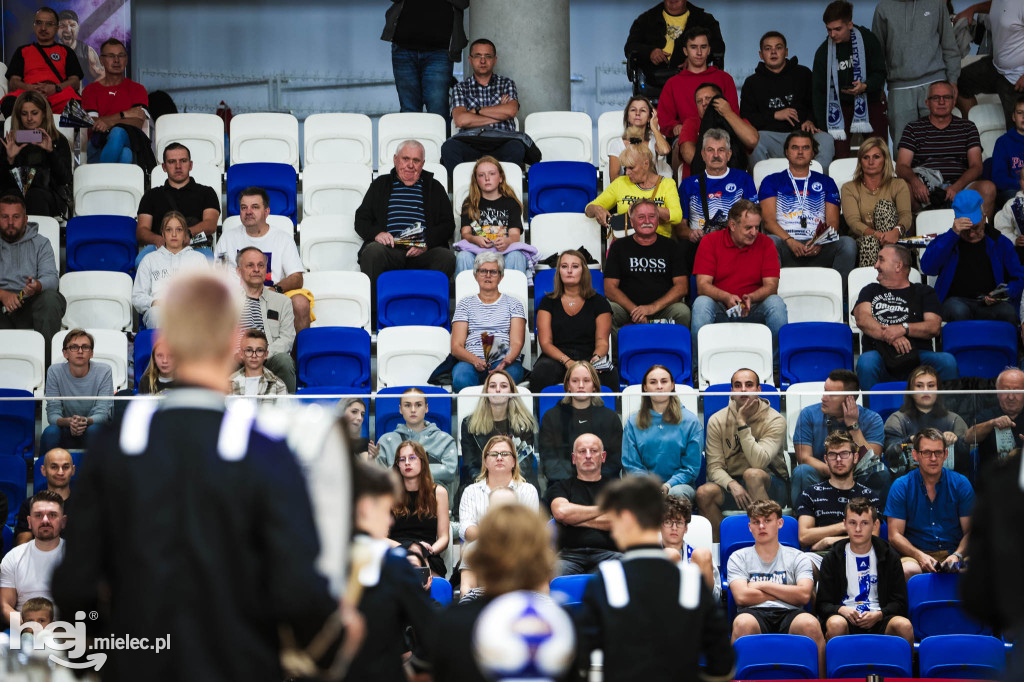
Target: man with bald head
{"type": "Point", "coordinates": [998, 430]}
{"type": "Point", "coordinates": [58, 469]}
{"type": "Point", "coordinates": [584, 539]}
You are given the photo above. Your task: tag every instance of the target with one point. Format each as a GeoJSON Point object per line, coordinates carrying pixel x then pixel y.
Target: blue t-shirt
{"type": "Point", "coordinates": [932, 525]}
{"type": "Point", "coordinates": [819, 190]}
{"type": "Point", "coordinates": [812, 426]}
{"type": "Point", "coordinates": [723, 192]}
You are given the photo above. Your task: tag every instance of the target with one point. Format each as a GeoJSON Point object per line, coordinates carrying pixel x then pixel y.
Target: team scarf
{"type": "Point", "coordinates": [834, 111]}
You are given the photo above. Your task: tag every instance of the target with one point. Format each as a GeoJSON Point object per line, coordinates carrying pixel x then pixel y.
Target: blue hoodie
{"type": "Point", "coordinates": [1007, 160]}
{"type": "Point", "coordinates": [943, 254]}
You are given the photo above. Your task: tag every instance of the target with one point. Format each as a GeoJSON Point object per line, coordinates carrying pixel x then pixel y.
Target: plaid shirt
{"type": "Point", "coordinates": [270, 383]}
{"type": "Point", "coordinates": [471, 95]}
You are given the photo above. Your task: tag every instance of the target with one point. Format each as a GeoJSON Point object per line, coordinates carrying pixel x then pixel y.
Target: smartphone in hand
{"type": "Point", "coordinates": [34, 136]}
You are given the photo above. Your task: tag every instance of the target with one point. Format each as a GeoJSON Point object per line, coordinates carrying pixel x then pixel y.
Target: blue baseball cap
{"type": "Point", "coordinates": [967, 204]}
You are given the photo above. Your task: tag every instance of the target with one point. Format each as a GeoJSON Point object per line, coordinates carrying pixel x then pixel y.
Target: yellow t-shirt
{"type": "Point", "coordinates": [674, 27]}
{"type": "Point", "coordinates": [623, 192]}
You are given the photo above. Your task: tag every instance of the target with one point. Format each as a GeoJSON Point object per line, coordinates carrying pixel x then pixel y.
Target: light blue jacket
{"type": "Point", "coordinates": [670, 451]}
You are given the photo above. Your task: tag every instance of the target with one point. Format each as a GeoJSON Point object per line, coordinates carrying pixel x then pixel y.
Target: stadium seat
{"type": "Point", "coordinates": [387, 415]}
{"type": "Point", "coordinates": [886, 404]}
{"type": "Point", "coordinates": [808, 351]}
{"type": "Point", "coordinates": [860, 278]}
{"type": "Point", "coordinates": [13, 483]}
{"type": "Point", "coordinates": [763, 169]}
{"type": "Point", "coordinates": [568, 589]}
{"type": "Point", "coordinates": [265, 138]}
{"type": "Point", "coordinates": [329, 242]}
{"type": "Point", "coordinates": [275, 222]}
{"type": "Point", "coordinates": [988, 143]}
{"type": "Point", "coordinates": [513, 284]}
{"type": "Point", "coordinates": [204, 174]}
{"type": "Point", "coordinates": [101, 242]}
{"type": "Point", "coordinates": [333, 356]}
{"type": "Point", "coordinates": [734, 534]}
{"type": "Point", "coordinates": [203, 134]}
{"type": "Point", "coordinates": [561, 187]}
{"type": "Point", "coordinates": [555, 232]}
{"type": "Point", "coordinates": [111, 349]}
{"type": "Point", "coordinates": [643, 345]}
{"type": "Point", "coordinates": [982, 348]}
{"type": "Point", "coordinates": [934, 221]}
{"type": "Point", "coordinates": [97, 299]}
{"type": "Point", "coordinates": [545, 403]}
{"type": "Point", "coordinates": [407, 356]}
{"type": "Point", "coordinates": [698, 533]}
{"type": "Point", "coordinates": [49, 228]}
{"type": "Point", "coordinates": [412, 297]}
{"type": "Point", "coordinates": [108, 189]}
{"type": "Point", "coordinates": [427, 129]}
{"type": "Point", "coordinates": [934, 603]}
{"type": "Point", "coordinates": [279, 180]}
{"type": "Point", "coordinates": [462, 177]}
{"type": "Point", "coordinates": [812, 294]}
{"type": "Point", "coordinates": [841, 170]}
{"type": "Point", "coordinates": [714, 403]}
{"type": "Point", "coordinates": [856, 656]}
{"type": "Point", "coordinates": [143, 349]}
{"type": "Point", "coordinates": [6, 531]}
{"type": "Point", "coordinates": [334, 188]}
{"type": "Point", "coordinates": [776, 657]}
{"type": "Point", "coordinates": [439, 172]}
{"type": "Point", "coordinates": [562, 135]}
{"type": "Point", "coordinates": [987, 117]}
{"type": "Point", "coordinates": [17, 424]}
{"type": "Point", "coordinates": [39, 479]}
{"type": "Point", "coordinates": [799, 396]}
{"type": "Point", "coordinates": [609, 129]}
{"type": "Point", "coordinates": [725, 346]}
{"type": "Point", "coordinates": [22, 358]}
{"type": "Point", "coordinates": [341, 299]}
{"type": "Point", "coordinates": [441, 591]}
{"type": "Point", "coordinates": [964, 657]}
{"type": "Point", "coordinates": [633, 394]}
{"type": "Point", "coordinates": [329, 138]}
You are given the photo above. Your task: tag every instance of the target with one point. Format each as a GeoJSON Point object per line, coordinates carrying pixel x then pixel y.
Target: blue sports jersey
{"type": "Point", "coordinates": [723, 192]}
{"type": "Point", "coordinates": [820, 189]}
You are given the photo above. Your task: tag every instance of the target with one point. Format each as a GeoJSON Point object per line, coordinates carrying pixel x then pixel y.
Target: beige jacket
{"type": "Point", "coordinates": [729, 453]}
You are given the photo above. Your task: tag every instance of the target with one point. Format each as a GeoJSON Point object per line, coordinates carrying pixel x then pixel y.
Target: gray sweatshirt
{"type": "Point", "coordinates": [30, 256]}
{"type": "Point", "coordinates": [60, 382]}
{"type": "Point", "coordinates": [918, 42]}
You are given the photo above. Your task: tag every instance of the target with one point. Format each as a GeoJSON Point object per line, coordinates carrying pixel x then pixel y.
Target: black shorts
{"type": "Point", "coordinates": [772, 620]}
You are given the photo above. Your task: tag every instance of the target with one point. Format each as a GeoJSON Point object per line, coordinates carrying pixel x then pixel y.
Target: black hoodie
{"type": "Point", "coordinates": [765, 92]}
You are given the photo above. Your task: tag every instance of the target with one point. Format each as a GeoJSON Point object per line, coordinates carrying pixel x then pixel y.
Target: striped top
{"type": "Point", "coordinates": [252, 316]}
{"type": "Point", "coordinates": [495, 318]}
{"type": "Point", "coordinates": [405, 207]}
{"type": "Point", "coordinates": [944, 150]}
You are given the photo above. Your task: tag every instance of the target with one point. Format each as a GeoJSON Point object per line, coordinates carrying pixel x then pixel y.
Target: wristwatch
{"type": "Point", "coordinates": [906, 327]}
{"type": "Point", "coordinates": [476, 111]}
{"type": "Point", "coordinates": [958, 555]}
{"type": "Point", "coordinates": [855, 426]}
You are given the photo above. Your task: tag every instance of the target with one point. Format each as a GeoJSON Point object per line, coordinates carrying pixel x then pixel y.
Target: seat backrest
{"type": "Point", "coordinates": [49, 228]}
{"type": "Point", "coordinates": [22, 354]}
{"type": "Point", "coordinates": [334, 188]}
{"type": "Point", "coordinates": [265, 138]}
{"type": "Point", "coordinates": [632, 395]}
{"type": "Point", "coordinates": [773, 657]}
{"type": "Point", "coordinates": [333, 356]}
{"type": "Point", "coordinates": [329, 242]}
{"type": "Point", "coordinates": [869, 655]}
{"type": "Point", "coordinates": [279, 180]}
{"type": "Point", "coordinates": [933, 600]}
{"type": "Point", "coordinates": [101, 242]}
{"type": "Point", "coordinates": [842, 170]}
{"type": "Point", "coordinates": [412, 298]}
{"type": "Point", "coordinates": [338, 137]}
{"type": "Point", "coordinates": [17, 428]}
{"type": "Point", "coordinates": [860, 278]}
{"type": "Point", "coordinates": [463, 176]}
{"type": "Point", "coordinates": [386, 409]}
{"type": "Point", "coordinates": [568, 589]}
{"type": "Point", "coordinates": [555, 232]}
{"type": "Point", "coordinates": [341, 299]}
{"type": "Point", "coordinates": [97, 299]}
{"type": "Point", "coordinates": [562, 135]}
{"type": "Point", "coordinates": [988, 142]}
{"type": "Point", "coordinates": [987, 117]}
{"type": "Point", "coordinates": [886, 403]}
{"type": "Point", "coordinates": [982, 348]}
{"type": "Point", "coordinates": [812, 294]}
{"type": "Point", "coordinates": [111, 349]}
{"type": "Point", "coordinates": [808, 351]}
{"type": "Point", "coordinates": [141, 352]}
{"type": "Point", "coordinates": [976, 657]}
{"type": "Point", "coordinates": [609, 129]}
{"type": "Point", "coordinates": [13, 483]}
{"type": "Point", "coordinates": [108, 189]}
{"type": "Point", "coordinates": [427, 129]}
{"type": "Point", "coordinates": [514, 284]}
{"type": "Point", "coordinates": [561, 187]}
{"type": "Point", "coordinates": [641, 346]}
{"type": "Point", "coordinates": [203, 134]}
{"type": "Point", "coordinates": [698, 533]}
{"type": "Point", "coordinates": [409, 355]}
{"type": "Point", "coordinates": [724, 346]}
{"type": "Point", "coordinates": [275, 222]}
{"type": "Point", "coordinates": [935, 221]}
{"type": "Point", "coordinates": [799, 396]}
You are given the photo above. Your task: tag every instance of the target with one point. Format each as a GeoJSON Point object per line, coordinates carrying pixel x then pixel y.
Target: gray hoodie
{"type": "Point", "coordinates": [918, 42]}
{"type": "Point", "coordinates": [30, 256]}
{"type": "Point", "coordinates": [440, 447]}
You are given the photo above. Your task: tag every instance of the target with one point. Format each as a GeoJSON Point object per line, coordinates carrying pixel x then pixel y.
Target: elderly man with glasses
{"type": "Point", "coordinates": [120, 110]}
{"type": "Point", "coordinates": [929, 511]}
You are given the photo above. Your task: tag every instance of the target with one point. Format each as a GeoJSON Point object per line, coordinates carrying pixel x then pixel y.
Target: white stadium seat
{"type": "Point", "coordinates": [763, 169]}
{"type": "Point", "coordinates": [562, 135]}
{"type": "Point", "coordinates": [462, 178]}
{"type": "Point", "coordinates": [111, 349]}
{"type": "Point", "coordinates": [265, 137]}
{"type": "Point", "coordinates": [812, 294]}
{"type": "Point", "coordinates": [203, 134]}
{"type": "Point", "coordinates": [428, 129]}
{"type": "Point", "coordinates": [333, 138]}
{"type": "Point", "coordinates": [988, 142]}
{"type": "Point", "coordinates": [988, 117]}
{"type": "Point", "coordinates": [49, 228]}
{"type": "Point", "coordinates": [329, 242]}
{"type": "Point", "coordinates": [555, 232]}
{"type": "Point", "coordinates": [108, 189]}
{"type": "Point", "coordinates": [724, 346]}
{"type": "Point", "coordinates": [334, 188]}
{"type": "Point", "coordinates": [513, 283]}
{"type": "Point", "coordinates": [860, 278]}
{"type": "Point", "coordinates": [795, 402]}
{"type": "Point", "coordinates": [408, 355]}
{"type": "Point", "coordinates": [609, 129]}
{"type": "Point", "coordinates": [631, 396]}
{"type": "Point", "coordinates": [341, 299]}
{"type": "Point", "coordinates": [935, 221]}
{"type": "Point", "coordinates": [841, 170]}
{"type": "Point", "coordinates": [698, 534]}
{"type": "Point", "coordinates": [439, 172]}
{"type": "Point", "coordinates": [97, 300]}
{"type": "Point", "coordinates": [22, 358]}
{"type": "Point", "coordinates": [276, 222]}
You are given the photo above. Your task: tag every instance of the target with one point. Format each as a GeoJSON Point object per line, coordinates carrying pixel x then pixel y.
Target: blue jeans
{"type": "Point", "coordinates": [871, 368]}
{"type": "Point", "coordinates": [770, 312]}
{"type": "Point", "coordinates": [514, 260]}
{"type": "Point", "coordinates": [465, 374]}
{"type": "Point", "coordinates": [54, 436]}
{"type": "Point", "coordinates": [422, 77]}
{"type": "Point", "coordinates": [956, 309]}
{"type": "Point", "coordinates": [116, 149]}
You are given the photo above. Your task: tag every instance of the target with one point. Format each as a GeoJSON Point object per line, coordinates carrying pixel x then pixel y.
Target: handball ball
{"type": "Point", "coordinates": [523, 636]}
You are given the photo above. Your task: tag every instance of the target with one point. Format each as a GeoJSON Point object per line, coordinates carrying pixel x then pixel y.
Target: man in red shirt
{"type": "Point", "coordinates": [44, 66]}
{"type": "Point", "coordinates": [738, 269]}
{"type": "Point", "coordinates": [117, 104]}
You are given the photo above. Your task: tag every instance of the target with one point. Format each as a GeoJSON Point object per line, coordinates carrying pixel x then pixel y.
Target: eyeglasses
{"type": "Point", "coordinates": [79, 349]}
{"type": "Point", "coordinates": [941, 98]}
{"type": "Point", "coordinates": [931, 454]}
{"type": "Point", "coordinates": [488, 272]}
{"type": "Point", "coordinates": [410, 459]}
{"type": "Point", "coordinates": [841, 454]}
{"type": "Point", "coordinates": [121, 55]}
{"type": "Point", "coordinates": [484, 57]}
{"type": "Point", "coordinates": [500, 455]}
{"type": "Point", "coordinates": [258, 352]}
{"type": "Point", "coordinates": [675, 523]}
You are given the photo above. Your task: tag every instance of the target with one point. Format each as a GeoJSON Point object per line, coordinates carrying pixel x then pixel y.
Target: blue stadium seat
{"type": "Point", "coordinates": [439, 410]}
{"type": "Point", "coordinates": [885, 405]}
{"type": "Point", "coordinates": [568, 589]}
{"type": "Point", "coordinates": [808, 351]}
{"type": "Point", "coordinates": [441, 591]}
{"type": "Point", "coordinates": [544, 284]}
{"type": "Point", "coordinates": [734, 533]}
{"type": "Point", "coordinates": [857, 656]}
{"type": "Point", "coordinates": [13, 482]}
{"type": "Point", "coordinates": [965, 657]}
{"type": "Point", "coordinates": [776, 657]}
{"type": "Point", "coordinates": [17, 424]}
{"type": "Point", "coordinates": [333, 402]}
{"type": "Point", "coordinates": [406, 297]}
{"type": "Point", "coordinates": [143, 348]}
{"type": "Point", "coordinates": [278, 179]}
{"type": "Point", "coordinates": [8, 540]}
{"type": "Point", "coordinates": [714, 403]}
{"type": "Point", "coordinates": [934, 603]}
{"type": "Point", "coordinates": [101, 242]}
{"type": "Point", "coordinates": [334, 356]}
{"type": "Point", "coordinates": [981, 348]}
{"type": "Point", "coordinates": [561, 186]}
{"type": "Point", "coordinates": [39, 480]}
{"type": "Point", "coordinates": [545, 403]}
{"type": "Point", "coordinates": [643, 345]}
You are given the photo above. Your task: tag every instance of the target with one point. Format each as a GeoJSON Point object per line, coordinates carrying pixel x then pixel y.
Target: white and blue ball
{"type": "Point", "coordinates": [523, 636]}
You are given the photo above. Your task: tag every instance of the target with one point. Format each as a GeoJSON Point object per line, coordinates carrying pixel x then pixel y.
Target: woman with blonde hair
{"type": "Point", "coordinates": [159, 374]}
{"type": "Point", "coordinates": [641, 181]}
{"type": "Point", "coordinates": [499, 412]}
{"type": "Point", "coordinates": [421, 511]}
{"type": "Point", "coordinates": [38, 171]}
{"type": "Point", "coordinates": [492, 219]}
{"type": "Point", "coordinates": [876, 205]}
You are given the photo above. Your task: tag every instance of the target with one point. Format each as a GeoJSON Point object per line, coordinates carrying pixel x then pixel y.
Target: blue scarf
{"type": "Point", "coordinates": [834, 111]}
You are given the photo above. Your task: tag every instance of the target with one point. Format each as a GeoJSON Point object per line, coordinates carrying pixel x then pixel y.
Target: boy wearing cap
{"type": "Point", "coordinates": [971, 264]}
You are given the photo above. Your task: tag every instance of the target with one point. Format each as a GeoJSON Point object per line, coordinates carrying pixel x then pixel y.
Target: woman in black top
{"type": "Point", "coordinates": [573, 416]}
{"type": "Point", "coordinates": [574, 322]}
{"type": "Point", "coordinates": [39, 172]}
{"type": "Point", "coordinates": [421, 513]}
